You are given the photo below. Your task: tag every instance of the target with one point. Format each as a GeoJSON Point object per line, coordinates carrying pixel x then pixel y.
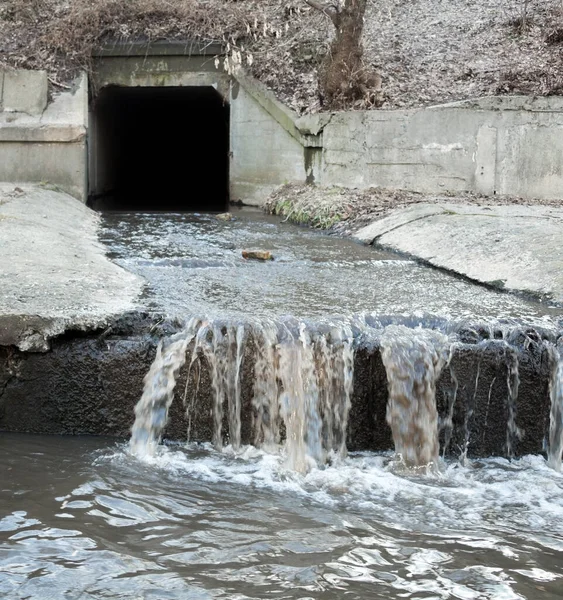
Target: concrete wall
{"type": "Point", "coordinates": [264, 152]}
{"type": "Point", "coordinates": [41, 142]}
{"type": "Point", "coordinates": [506, 145]}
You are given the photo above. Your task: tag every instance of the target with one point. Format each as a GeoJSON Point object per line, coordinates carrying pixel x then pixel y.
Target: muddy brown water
{"type": "Point", "coordinates": [80, 518]}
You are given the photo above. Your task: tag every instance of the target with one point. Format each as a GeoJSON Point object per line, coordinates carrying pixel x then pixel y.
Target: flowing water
{"type": "Point", "coordinates": [294, 515]}
{"type": "Point", "coordinates": [194, 267]}
{"type": "Point", "coordinates": [81, 518]}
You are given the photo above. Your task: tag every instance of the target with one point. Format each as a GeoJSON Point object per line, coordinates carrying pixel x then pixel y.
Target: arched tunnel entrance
{"type": "Point", "coordinates": [159, 148]}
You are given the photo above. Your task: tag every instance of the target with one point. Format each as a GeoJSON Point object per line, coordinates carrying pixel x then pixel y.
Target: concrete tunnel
{"type": "Point", "coordinates": [159, 148]}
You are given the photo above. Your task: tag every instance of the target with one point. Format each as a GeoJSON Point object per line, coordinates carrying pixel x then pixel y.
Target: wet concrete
{"type": "Point", "coordinates": [513, 247]}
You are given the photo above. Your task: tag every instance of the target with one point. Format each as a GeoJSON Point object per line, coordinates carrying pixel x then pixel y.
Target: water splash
{"type": "Point", "coordinates": [413, 361]}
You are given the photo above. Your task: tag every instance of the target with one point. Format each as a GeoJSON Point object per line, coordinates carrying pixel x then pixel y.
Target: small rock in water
{"type": "Point", "coordinates": [257, 254]}
{"type": "Point", "coordinates": [225, 217]}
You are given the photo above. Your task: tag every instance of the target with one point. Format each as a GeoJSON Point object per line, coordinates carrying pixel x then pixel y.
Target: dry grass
{"type": "Point", "coordinates": [60, 36]}
{"type": "Point", "coordinates": [428, 51]}
{"type": "Point", "coordinates": [344, 211]}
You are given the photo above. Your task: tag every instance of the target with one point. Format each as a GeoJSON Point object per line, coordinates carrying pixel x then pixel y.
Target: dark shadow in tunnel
{"type": "Point", "coordinates": [159, 149]}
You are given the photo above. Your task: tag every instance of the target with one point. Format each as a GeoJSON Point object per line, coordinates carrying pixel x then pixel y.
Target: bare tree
{"type": "Point", "coordinates": [343, 78]}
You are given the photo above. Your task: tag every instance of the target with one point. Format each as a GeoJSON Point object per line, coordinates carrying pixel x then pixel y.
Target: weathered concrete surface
{"type": "Point", "coordinates": [91, 383]}
{"type": "Point", "coordinates": [504, 145]}
{"type": "Point", "coordinates": [54, 275]}
{"type": "Point", "coordinates": [265, 154]}
{"type": "Point", "coordinates": [517, 248]}
{"type": "Point", "coordinates": [43, 142]}
{"type": "Point", "coordinates": [24, 91]}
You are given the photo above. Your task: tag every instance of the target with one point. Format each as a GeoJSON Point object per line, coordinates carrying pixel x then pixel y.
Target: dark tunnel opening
{"type": "Point", "coordinates": [159, 149]}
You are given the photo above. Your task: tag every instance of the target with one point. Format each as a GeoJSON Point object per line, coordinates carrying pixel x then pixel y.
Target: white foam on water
{"type": "Point", "coordinates": [493, 495]}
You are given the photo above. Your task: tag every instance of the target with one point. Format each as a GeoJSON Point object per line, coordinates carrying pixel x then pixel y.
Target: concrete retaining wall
{"type": "Point", "coordinates": [41, 142]}
{"type": "Point", "coordinates": [504, 145]}
{"type": "Point", "coordinates": [264, 152]}
{"type": "Point", "coordinates": [493, 145]}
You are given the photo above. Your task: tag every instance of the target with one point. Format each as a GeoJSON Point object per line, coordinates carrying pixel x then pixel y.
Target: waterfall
{"type": "Point", "coordinates": [413, 361]}
{"type": "Point", "coordinates": [303, 379]}
{"type": "Point", "coordinates": [295, 380]}
{"type": "Point", "coordinates": [151, 412]}
{"type": "Point", "coordinates": [555, 449]}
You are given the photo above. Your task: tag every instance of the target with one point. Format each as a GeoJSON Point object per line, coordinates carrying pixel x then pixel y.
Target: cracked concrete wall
{"type": "Point", "coordinates": [492, 145]}
{"type": "Point", "coordinates": [264, 154]}
{"type": "Point", "coordinates": [41, 141]}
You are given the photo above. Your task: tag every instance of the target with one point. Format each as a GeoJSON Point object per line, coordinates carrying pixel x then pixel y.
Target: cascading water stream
{"type": "Point", "coordinates": [151, 412]}
{"type": "Point", "coordinates": [302, 379]}
{"type": "Point", "coordinates": [555, 449]}
{"type": "Point", "coordinates": [302, 384]}
{"type": "Point", "coordinates": [413, 361]}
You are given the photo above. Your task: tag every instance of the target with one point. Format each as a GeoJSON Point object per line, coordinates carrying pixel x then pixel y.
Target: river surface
{"type": "Point", "coordinates": [80, 518]}
{"type": "Point", "coordinates": [194, 266]}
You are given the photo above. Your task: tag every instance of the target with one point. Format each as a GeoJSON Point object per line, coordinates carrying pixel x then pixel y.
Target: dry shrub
{"type": "Point", "coordinates": [555, 36]}
{"type": "Point", "coordinates": [63, 36]}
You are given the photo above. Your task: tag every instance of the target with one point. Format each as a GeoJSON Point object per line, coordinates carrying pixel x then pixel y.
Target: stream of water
{"type": "Point", "coordinates": [82, 518]}
{"type": "Point", "coordinates": [294, 515]}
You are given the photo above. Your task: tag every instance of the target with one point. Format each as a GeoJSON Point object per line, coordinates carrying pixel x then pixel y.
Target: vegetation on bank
{"type": "Point", "coordinates": [344, 211]}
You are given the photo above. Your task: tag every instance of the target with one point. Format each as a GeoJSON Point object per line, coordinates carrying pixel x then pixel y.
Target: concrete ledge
{"type": "Point", "coordinates": [42, 133]}
{"type": "Point", "coordinates": [73, 388]}
{"type": "Point", "coordinates": [160, 48]}
{"type": "Point", "coordinates": [507, 103]}
{"type": "Point", "coordinates": [516, 248]}
{"type": "Point", "coordinates": [54, 275]}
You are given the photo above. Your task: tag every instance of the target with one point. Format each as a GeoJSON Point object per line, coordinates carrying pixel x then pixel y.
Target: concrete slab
{"type": "Point", "coordinates": [54, 275]}
{"type": "Point", "coordinates": [517, 248]}
{"type": "Point", "coordinates": [25, 91]}
{"type": "Point", "coordinates": [397, 218]}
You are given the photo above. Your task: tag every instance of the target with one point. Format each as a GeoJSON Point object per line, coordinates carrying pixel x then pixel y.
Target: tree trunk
{"type": "Point", "coordinates": [344, 60]}
{"type": "Point", "coordinates": [343, 79]}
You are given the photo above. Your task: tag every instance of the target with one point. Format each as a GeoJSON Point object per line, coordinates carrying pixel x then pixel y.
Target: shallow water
{"type": "Point", "coordinates": [80, 518]}
{"type": "Point", "coordinates": [194, 266]}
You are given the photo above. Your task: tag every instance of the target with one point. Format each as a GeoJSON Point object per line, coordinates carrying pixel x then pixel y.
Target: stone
{"type": "Point", "coordinates": [225, 217]}
{"type": "Point", "coordinates": [257, 255]}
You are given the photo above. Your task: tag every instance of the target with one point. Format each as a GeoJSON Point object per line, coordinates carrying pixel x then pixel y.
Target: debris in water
{"type": "Point", "coordinates": [257, 254]}
{"type": "Point", "coordinates": [225, 217]}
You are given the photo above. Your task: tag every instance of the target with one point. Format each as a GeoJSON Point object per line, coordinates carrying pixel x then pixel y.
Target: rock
{"type": "Point", "coordinates": [225, 217]}
{"type": "Point", "coordinates": [257, 254]}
